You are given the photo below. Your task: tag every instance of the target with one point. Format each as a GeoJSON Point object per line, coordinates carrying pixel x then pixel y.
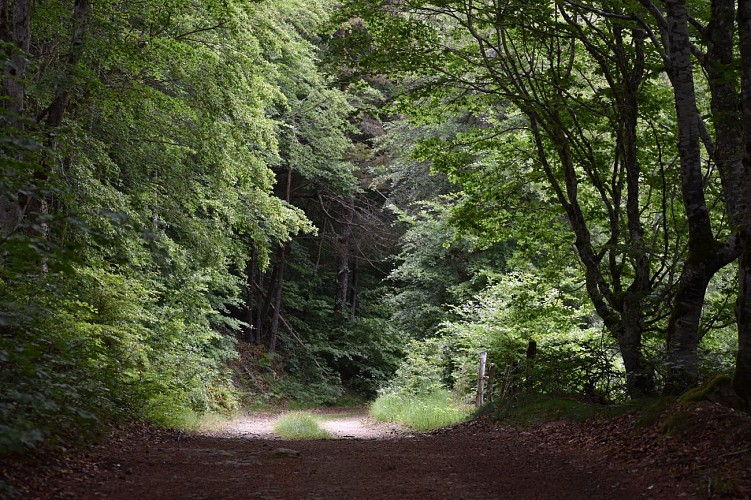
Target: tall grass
{"type": "Point", "coordinates": [300, 425]}
{"type": "Point", "coordinates": [421, 412]}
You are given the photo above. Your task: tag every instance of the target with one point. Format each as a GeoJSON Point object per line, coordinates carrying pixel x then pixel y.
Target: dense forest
{"type": "Point", "coordinates": [211, 205]}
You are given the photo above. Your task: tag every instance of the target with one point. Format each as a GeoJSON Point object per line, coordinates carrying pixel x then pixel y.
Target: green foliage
{"type": "Point", "coordinates": [437, 267]}
{"type": "Point", "coordinates": [298, 426]}
{"type": "Point", "coordinates": [359, 353]}
{"type": "Point", "coordinates": [325, 389]}
{"type": "Point", "coordinates": [537, 143]}
{"type": "Point", "coordinates": [124, 281]}
{"type": "Point", "coordinates": [531, 410]}
{"type": "Point", "coordinates": [423, 369]}
{"type": "Point", "coordinates": [419, 411]}
{"type": "Point", "coordinates": [99, 346]}
{"type": "Point", "coordinates": [718, 346]}
{"type": "Point", "coordinates": [267, 380]}
{"type": "Point", "coordinates": [574, 356]}
{"type": "Point", "coordinates": [155, 190]}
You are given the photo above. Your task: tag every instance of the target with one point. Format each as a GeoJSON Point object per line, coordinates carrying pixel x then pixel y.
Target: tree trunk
{"type": "Point", "coordinates": [260, 308]}
{"type": "Point", "coordinates": [742, 379]}
{"type": "Point", "coordinates": [250, 293]}
{"type": "Point", "coordinates": [56, 110]}
{"type": "Point", "coordinates": [639, 374]}
{"type": "Point", "coordinates": [270, 295]}
{"type": "Point", "coordinates": [683, 328]}
{"type": "Point", "coordinates": [353, 294]}
{"type": "Point", "coordinates": [342, 285]}
{"type": "Point", "coordinates": [722, 75]}
{"type": "Point", "coordinates": [343, 278]}
{"type": "Point", "coordinates": [274, 328]}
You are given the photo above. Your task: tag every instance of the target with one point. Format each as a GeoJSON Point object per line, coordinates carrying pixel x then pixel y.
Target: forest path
{"type": "Point", "coordinates": [474, 460]}
{"type": "Point", "coordinates": [344, 423]}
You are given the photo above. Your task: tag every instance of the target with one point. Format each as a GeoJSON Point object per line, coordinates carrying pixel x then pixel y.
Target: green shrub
{"type": "Point", "coordinates": [81, 350]}
{"type": "Point", "coordinates": [300, 425]}
{"type": "Point", "coordinates": [422, 370]}
{"type": "Point", "coordinates": [420, 412]}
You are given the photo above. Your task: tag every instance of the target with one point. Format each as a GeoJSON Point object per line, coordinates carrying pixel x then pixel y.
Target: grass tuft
{"type": "Point", "coordinates": [300, 425]}
{"type": "Point", "coordinates": [420, 412]}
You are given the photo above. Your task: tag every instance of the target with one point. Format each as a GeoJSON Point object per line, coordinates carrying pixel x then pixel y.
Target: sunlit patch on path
{"type": "Point", "coordinates": [354, 424]}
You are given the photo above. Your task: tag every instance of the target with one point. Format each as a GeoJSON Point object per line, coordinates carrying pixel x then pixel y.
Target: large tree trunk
{"type": "Point", "coordinates": [639, 373]}
{"type": "Point", "coordinates": [728, 151]}
{"type": "Point", "coordinates": [683, 328]}
{"type": "Point", "coordinates": [742, 379]}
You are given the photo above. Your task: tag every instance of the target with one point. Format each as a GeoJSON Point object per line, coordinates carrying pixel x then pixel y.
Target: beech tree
{"type": "Point", "coordinates": [689, 43]}
{"type": "Point", "coordinates": [565, 65]}
{"type": "Point", "coordinates": [539, 60]}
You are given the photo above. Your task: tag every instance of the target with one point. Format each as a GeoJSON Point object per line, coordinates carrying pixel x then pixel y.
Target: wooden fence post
{"type": "Point", "coordinates": [481, 379]}
{"type": "Point", "coordinates": [491, 380]}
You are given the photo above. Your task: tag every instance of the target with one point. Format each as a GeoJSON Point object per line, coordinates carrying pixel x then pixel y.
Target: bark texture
{"type": "Point", "coordinates": [742, 378]}
{"type": "Point", "coordinates": [683, 328]}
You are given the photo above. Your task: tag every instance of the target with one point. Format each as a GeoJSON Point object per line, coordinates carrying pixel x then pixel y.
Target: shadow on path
{"type": "Point", "coordinates": [467, 462]}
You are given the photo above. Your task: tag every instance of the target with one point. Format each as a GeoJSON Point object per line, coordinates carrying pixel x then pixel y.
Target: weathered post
{"type": "Point", "coordinates": [506, 388]}
{"type": "Point", "coordinates": [491, 380]}
{"type": "Point", "coordinates": [481, 379]}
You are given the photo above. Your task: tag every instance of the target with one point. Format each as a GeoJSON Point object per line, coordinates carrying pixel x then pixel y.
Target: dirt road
{"type": "Point", "coordinates": [345, 423]}
{"type": "Point", "coordinates": [244, 461]}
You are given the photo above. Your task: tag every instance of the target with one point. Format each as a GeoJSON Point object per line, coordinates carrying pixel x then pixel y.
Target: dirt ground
{"type": "Point", "coordinates": [344, 423]}
{"type": "Point", "coordinates": [369, 461]}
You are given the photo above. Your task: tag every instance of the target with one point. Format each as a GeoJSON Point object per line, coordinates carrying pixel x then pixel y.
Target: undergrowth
{"type": "Point", "coordinates": [420, 412]}
{"type": "Point", "coordinates": [532, 409]}
{"type": "Point", "coordinates": [300, 425]}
